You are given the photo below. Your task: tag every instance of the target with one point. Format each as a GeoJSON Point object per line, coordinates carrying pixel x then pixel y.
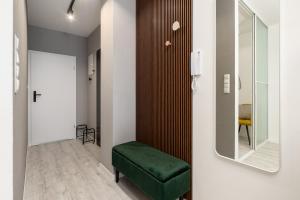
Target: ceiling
{"type": "Point", "coordinates": [51, 14]}
{"type": "Point", "coordinates": [267, 10]}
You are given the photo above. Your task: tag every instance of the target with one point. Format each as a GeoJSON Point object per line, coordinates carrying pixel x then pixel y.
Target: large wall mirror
{"type": "Point", "coordinates": [248, 82]}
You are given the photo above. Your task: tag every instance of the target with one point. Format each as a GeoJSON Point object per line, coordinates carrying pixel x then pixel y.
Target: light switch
{"type": "Point", "coordinates": [17, 56]}
{"type": "Point", "coordinates": [226, 76]}
{"type": "Point", "coordinates": [16, 65]}
{"type": "Point", "coordinates": [226, 90]}
{"type": "Point", "coordinates": [17, 71]}
{"type": "Point", "coordinates": [226, 83]}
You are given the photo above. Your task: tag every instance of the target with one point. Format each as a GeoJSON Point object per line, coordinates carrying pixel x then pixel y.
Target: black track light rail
{"type": "Point", "coordinates": [70, 9]}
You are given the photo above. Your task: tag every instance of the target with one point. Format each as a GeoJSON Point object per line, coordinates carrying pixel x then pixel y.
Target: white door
{"type": "Point", "coordinates": [52, 97]}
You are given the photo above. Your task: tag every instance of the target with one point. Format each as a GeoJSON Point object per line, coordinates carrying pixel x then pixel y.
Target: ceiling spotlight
{"type": "Point", "coordinates": [71, 15]}
{"type": "Point", "coordinates": [70, 12]}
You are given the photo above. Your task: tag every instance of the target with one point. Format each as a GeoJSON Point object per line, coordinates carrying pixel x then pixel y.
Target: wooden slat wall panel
{"type": "Point", "coordinates": [164, 104]}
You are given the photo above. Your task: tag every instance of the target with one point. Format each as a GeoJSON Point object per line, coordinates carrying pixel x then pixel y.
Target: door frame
{"type": "Point", "coordinates": [98, 97]}
{"type": "Point", "coordinates": [30, 93]}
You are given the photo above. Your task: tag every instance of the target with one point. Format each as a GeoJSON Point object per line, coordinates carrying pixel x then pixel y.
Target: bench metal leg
{"type": "Point", "coordinates": [248, 135]}
{"type": "Point", "coordinates": [117, 176]}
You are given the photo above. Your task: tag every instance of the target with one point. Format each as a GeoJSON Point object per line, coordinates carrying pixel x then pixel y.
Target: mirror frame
{"type": "Point", "coordinates": [236, 60]}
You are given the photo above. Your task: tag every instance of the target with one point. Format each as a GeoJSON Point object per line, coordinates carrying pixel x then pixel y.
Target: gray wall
{"type": "Point", "coordinates": [93, 46]}
{"type": "Point", "coordinates": [225, 61]}
{"type": "Point", "coordinates": [20, 119]}
{"type": "Point", "coordinates": [45, 40]}
{"type": "Point", "coordinates": [94, 41]}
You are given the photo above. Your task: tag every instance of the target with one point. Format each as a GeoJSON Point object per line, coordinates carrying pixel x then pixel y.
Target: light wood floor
{"type": "Point", "coordinates": [68, 170]}
{"type": "Point", "coordinates": [266, 157]}
{"type": "Point", "coordinates": [244, 146]}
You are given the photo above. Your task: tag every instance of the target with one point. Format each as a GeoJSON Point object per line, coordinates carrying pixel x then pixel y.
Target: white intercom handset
{"type": "Point", "coordinates": [196, 67]}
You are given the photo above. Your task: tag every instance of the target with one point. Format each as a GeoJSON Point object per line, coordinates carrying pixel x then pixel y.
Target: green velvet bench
{"type": "Point", "coordinates": [159, 175]}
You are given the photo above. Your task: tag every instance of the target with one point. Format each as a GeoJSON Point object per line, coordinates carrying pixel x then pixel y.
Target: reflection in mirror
{"type": "Point", "coordinates": [248, 117]}
{"type": "Point", "coordinates": [246, 69]}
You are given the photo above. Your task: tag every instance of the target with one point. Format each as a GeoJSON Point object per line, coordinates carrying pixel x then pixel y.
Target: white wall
{"type": "Point", "coordinates": [118, 39]}
{"type": "Point", "coordinates": [107, 82]}
{"type": "Point", "coordinates": [20, 107]}
{"type": "Point", "coordinates": [215, 178]}
{"type": "Point", "coordinates": [124, 70]}
{"type": "Point", "coordinates": [274, 84]}
{"type": "Point", "coordinates": [6, 96]}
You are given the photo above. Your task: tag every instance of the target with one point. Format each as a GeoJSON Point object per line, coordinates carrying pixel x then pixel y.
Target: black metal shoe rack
{"type": "Point", "coordinates": [85, 134]}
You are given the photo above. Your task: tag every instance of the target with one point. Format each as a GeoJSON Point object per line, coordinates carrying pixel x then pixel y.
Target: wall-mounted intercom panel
{"type": "Point", "coordinates": [196, 63]}
{"type": "Point", "coordinates": [91, 66]}
{"type": "Point", "coordinates": [196, 67]}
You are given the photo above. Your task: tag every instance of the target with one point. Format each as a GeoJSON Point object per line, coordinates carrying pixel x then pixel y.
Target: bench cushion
{"type": "Point", "coordinates": [160, 165]}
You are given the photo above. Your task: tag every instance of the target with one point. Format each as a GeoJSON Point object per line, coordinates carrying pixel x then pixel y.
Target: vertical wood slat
{"type": "Point", "coordinates": [164, 104]}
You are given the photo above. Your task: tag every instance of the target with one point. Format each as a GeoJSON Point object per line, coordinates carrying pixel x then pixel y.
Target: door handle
{"type": "Point", "coordinates": [35, 95]}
